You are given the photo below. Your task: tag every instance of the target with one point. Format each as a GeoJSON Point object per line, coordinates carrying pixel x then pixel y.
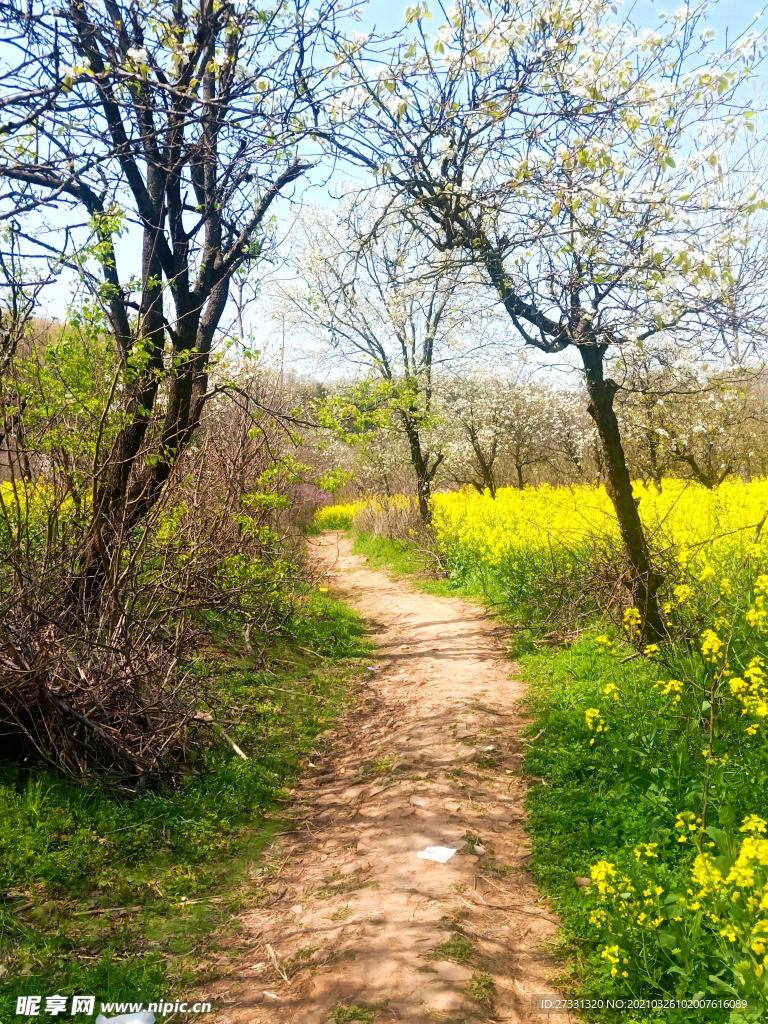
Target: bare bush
{"type": "Point", "coordinates": [398, 519]}
{"type": "Point", "coordinates": [395, 518]}
{"type": "Point", "coordinates": [115, 687]}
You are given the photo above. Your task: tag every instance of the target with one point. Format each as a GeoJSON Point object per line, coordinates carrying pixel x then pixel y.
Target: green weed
{"type": "Point", "coordinates": [497, 869]}
{"type": "Point", "coordinates": [363, 1014]}
{"type": "Point", "coordinates": [471, 840]}
{"type": "Point", "coordinates": [380, 767]}
{"type": "Point", "coordinates": [104, 895]}
{"type": "Point", "coordinates": [300, 959]}
{"type": "Point", "coordinates": [457, 948]}
{"type": "Point", "coordinates": [482, 987]}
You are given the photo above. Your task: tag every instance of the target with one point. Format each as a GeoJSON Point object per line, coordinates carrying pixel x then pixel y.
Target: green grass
{"type": "Point", "coordinates": [355, 1013]}
{"type": "Point", "coordinates": [579, 815]}
{"type": "Point", "coordinates": [601, 802]}
{"type": "Point", "coordinates": [175, 865]}
{"type": "Point", "coordinates": [403, 558]}
{"type": "Point", "coordinates": [457, 948]}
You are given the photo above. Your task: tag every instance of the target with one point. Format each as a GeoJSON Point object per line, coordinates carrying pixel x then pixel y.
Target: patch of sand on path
{"type": "Point", "coordinates": [431, 755]}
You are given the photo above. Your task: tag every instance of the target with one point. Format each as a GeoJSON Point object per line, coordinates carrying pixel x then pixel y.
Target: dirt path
{"type": "Point", "coordinates": [431, 757]}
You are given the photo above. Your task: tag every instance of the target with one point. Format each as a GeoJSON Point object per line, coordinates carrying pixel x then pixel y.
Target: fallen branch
{"type": "Point", "coordinates": [206, 719]}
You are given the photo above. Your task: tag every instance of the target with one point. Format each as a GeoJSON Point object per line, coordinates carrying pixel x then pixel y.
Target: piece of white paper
{"type": "Point", "coordinates": [439, 853]}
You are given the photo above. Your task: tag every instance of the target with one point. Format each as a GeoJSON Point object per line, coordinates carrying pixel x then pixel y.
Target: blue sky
{"type": "Point", "coordinates": [727, 18]}
{"type": "Point", "coordinates": [731, 15]}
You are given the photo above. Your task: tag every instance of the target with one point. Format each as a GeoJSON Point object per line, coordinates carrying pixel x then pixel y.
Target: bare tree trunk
{"type": "Point", "coordinates": [653, 453]}
{"type": "Point", "coordinates": [709, 480]}
{"type": "Point", "coordinates": [486, 465]}
{"type": "Point", "coordinates": [645, 583]}
{"type": "Point", "coordinates": [423, 495]}
{"type": "Point", "coordinates": [698, 473]}
{"type": "Point", "coordinates": [424, 473]}
{"type": "Point", "coordinates": [487, 483]}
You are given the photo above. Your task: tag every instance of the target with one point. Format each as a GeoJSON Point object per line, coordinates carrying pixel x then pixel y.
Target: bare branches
{"type": "Point", "coordinates": [181, 123]}
{"type": "Point", "coordinates": [114, 688]}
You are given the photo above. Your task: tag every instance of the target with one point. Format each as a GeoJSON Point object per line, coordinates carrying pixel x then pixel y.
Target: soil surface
{"type": "Point", "coordinates": [357, 926]}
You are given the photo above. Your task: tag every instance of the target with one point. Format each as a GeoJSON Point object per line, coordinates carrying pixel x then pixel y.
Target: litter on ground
{"type": "Point", "coordinates": [439, 853]}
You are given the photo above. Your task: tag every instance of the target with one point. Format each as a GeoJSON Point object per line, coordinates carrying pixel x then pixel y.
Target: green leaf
{"type": "Point", "coordinates": [719, 836]}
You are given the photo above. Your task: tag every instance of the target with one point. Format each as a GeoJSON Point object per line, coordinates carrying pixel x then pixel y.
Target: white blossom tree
{"type": "Point", "coordinates": [369, 293]}
{"type": "Point", "coordinates": [677, 419]}
{"type": "Point", "coordinates": [572, 159]}
{"type": "Point", "coordinates": [502, 423]}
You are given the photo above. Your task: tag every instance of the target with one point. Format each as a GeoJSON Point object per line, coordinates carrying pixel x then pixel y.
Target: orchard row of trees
{"type": "Point", "coordinates": [491, 430]}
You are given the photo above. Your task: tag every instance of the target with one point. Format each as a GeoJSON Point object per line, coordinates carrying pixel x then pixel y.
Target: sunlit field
{"type": "Point", "coordinates": [704, 525]}
{"type": "Point", "coordinates": [655, 755]}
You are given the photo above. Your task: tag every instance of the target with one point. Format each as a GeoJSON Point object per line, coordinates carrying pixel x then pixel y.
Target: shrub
{"type": "Point", "coordinates": [393, 517]}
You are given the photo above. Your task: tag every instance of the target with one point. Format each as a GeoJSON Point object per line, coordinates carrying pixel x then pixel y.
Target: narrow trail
{"type": "Point", "coordinates": [432, 755]}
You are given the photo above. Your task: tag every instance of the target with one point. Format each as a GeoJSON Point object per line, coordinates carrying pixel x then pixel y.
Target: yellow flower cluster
{"type": "Point", "coordinates": [712, 646]}
{"type": "Point", "coordinates": [604, 643]}
{"type": "Point", "coordinates": [687, 822]}
{"type": "Point", "coordinates": [647, 850]}
{"type": "Point", "coordinates": [612, 955]}
{"type": "Point", "coordinates": [729, 894]}
{"type": "Point", "coordinates": [737, 897]}
{"type": "Point", "coordinates": [752, 690]}
{"type": "Point", "coordinates": [603, 874]}
{"type": "Point", "coordinates": [31, 507]}
{"type": "Point", "coordinates": [683, 593]}
{"type": "Point", "coordinates": [674, 686]}
{"type": "Point", "coordinates": [595, 722]}
{"type": "Point", "coordinates": [757, 616]}
{"type": "Point", "coordinates": [636, 911]}
{"type": "Point", "coordinates": [338, 517]}
{"type": "Point", "coordinates": [621, 902]}
{"type": "Point", "coordinates": [632, 620]}
{"type": "Point", "coordinates": [545, 518]}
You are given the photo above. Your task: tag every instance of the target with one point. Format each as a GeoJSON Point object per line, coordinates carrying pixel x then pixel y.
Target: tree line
{"type": "Point", "coordinates": [489, 429]}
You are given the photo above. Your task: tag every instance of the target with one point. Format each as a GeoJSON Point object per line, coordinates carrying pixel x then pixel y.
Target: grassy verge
{"type": "Point", "coordinates": [129, 899]}
{"type": "Point", "coordinates": [403, 559]}
{"type": "Point", "coordinates": [583, 807]}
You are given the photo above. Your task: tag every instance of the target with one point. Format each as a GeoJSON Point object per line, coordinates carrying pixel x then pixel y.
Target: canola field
{"type": "Point", "coordinates": [655, 755]}
{"type": "Point", "coordinates": [704, 526]}
{"type": "Point", "coordinates": [500, 537]}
